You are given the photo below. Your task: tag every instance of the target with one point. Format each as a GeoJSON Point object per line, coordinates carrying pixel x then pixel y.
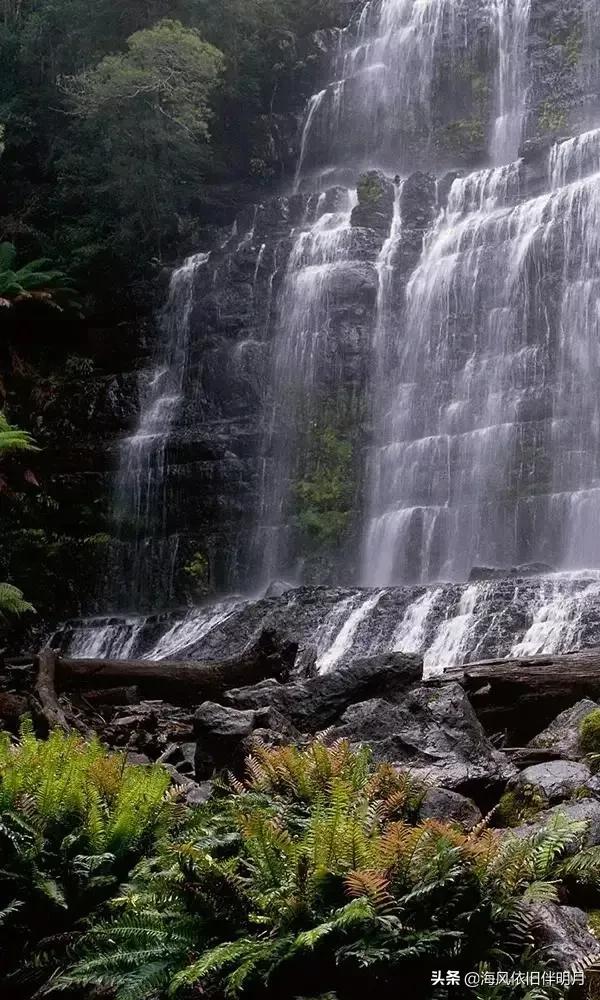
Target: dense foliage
{"type": "Point", "coordinates": [315, 876]}
{"type": "Point", "coordinates": [115, 120]}
{"type": "Point", "coordinates": [74, 821]}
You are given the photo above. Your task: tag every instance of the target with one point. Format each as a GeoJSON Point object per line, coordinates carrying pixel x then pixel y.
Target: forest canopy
{"type": "Point", "coordinates": [117, 120]}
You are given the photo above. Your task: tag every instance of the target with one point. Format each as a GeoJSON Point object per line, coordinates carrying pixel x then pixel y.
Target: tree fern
{"type": "Point", "coordinates": [12, 603]}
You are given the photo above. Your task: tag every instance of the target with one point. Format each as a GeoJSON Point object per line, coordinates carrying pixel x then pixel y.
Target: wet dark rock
{"type": "Point", "coordinates": [375, 202]}
{"type": "Point", "coordinates": [278, 588]}
{"type": "Point", "coordinates": [492, 573]}
{"type": "Point", "coordinates": [562, 735]}
{"type": "Point", "coordinates": [450, 807]}
{"type": "Point", "coordinates": [562, 933]}
{"type": "Point", "coordinates": [434, 734]}
{"type": "Point", "coordinates": [315, 703]}
{"type": "Point", "coordinates": [556, 780]}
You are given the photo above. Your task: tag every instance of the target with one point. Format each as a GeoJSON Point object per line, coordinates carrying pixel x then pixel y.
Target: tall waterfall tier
{"type": "Point", "coordinates": [489, 446]}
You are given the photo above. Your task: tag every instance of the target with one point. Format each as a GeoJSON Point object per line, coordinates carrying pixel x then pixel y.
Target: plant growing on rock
{"type": "Point", "coordinates": [314, 876]}
{"type": "Point", "coordinates": [74, 821]}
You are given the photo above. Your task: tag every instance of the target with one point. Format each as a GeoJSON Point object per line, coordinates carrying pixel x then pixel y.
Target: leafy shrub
{"type": "Point", "coordinates": [313, 877]}
{"type": "Point", "coordinates": [74, 821]}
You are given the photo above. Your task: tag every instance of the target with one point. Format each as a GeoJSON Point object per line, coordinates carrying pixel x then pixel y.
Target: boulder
{"type": "Point", "coordinates": [432, 733]}
{"type": "Point", "coordinates": [449, 807]}
{"type": "Point", "coordinates": [224, 735]}
{"type": "Point", "coordinates": [556, 780]}
{"type": "Point", "coordinates": [562, 735]}
{"type": "Point", "coordinates": [586, 810]}
{"type": "Point", "coordinates": [375, 202]}
{"type": "Point", "coordinates": [315, 703]}
{"type": "Point", "coordinates": [220, 734]}
{"type": "Point", "coordinates": [562, 933]}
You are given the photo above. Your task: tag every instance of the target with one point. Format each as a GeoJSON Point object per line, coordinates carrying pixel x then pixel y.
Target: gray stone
{"type": "Point", "coordinates": [312, 704]}
{"type": "Point", "coordinates": [221, 733]}
{"type": "Point", "coordinates": [432, 733]}
{"type": "Point", "coordinates": [449, 807]}
{"type": "Point", "coordinates": [562, 735]}
{"type": "Point", "coordinates": [586, 810]}
{"type": "Point", "coordinates": [562, 933]}
{"type": "Point", "coordinates": [556, 780]}
{"type": "Point", "coordinates": [197, 793]}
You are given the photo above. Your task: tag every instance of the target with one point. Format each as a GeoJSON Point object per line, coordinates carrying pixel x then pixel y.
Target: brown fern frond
{"type": "Point", "coordinates": [373, 884]}
{"type": "Point", "coordinates": [483, 825]}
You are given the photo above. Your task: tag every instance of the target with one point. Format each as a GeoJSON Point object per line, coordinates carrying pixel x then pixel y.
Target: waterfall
{"type": "Point", "coordinates": [147, 549]}
{"type": "Point", "coordinates": [479, 463]}
{"type": "Point", "coordinates": [512, 24]}
{"type": "Point", "coordinates": [462, 310]}
{"type": "Point", "coordinates": [382, 91]}
{"type": "Point", "coordinates": [575, 443]}
{"type": "Point", "coordinates": [317, 262]}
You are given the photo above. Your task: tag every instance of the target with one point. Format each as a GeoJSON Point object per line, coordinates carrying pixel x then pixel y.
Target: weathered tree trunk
{"type": "Point", "coordinates": [522, 696]}
{"type": "Point", "coordinates": [177, 681]}
{"type": "Point", "coordinates": [45, 689]}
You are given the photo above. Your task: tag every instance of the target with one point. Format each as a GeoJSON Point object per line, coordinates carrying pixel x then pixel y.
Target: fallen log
{"type": "Point", "coordinates": [522, 696]}
{"type": "Point", "coordinates": [181, 681]}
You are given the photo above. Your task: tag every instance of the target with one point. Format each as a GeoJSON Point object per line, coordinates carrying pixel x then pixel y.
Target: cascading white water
{"type": "Point", "coordinates": [512, 24]}
{"type": "Point", "coordinates": [141, 502]}
{"type": "Point", "coordinates": [479, 462]}
{"type": "Point", "coordinates": [487, 422]}
{"type": "Point", "coordinates": [382, 86]}
{"type": "Point", "coordinates": [318, 257]}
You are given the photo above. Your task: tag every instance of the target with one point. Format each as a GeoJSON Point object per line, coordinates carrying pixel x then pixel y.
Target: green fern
{"type": "Point", "coordinates": [74, 822]}
{"type": "Point", "coordinates": [12, 603]}
{"type": "Point", "coordinates": [317, 863]}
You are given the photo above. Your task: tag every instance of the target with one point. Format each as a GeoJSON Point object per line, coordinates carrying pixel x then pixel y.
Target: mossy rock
{"type": "Point", "coordinates": [589, 734]}
{"type": "Point", "coordinates": [520, 806]}
{"type": "Point", "coordinates": [371, 189]}
{"type": "Point", "coordinates": [552, 117]}
{"type": "Point", "coordinates": [466, 136]}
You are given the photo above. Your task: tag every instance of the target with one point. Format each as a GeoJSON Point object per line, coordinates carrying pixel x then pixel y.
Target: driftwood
{"type": "Point", "coordinates": [180, 681]}
{"type": "Point", "coordinates": [522, 696]}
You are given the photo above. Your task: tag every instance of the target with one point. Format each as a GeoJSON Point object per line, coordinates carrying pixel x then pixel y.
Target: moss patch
{"type": "Point", "coordinates": [589, 738]}
{"type": "Point", "coordinates": [517, 807]}
{"type": "Point", "coordinates": [552, 117]}
{"type": "Point", "coordinates": [370, 189]}
{"type": "Point", "coordinates": [465, 135]}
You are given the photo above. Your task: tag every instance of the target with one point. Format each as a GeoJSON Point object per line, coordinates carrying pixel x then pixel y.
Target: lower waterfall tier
{"type": "Point", "coordinates": [447, 623]}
